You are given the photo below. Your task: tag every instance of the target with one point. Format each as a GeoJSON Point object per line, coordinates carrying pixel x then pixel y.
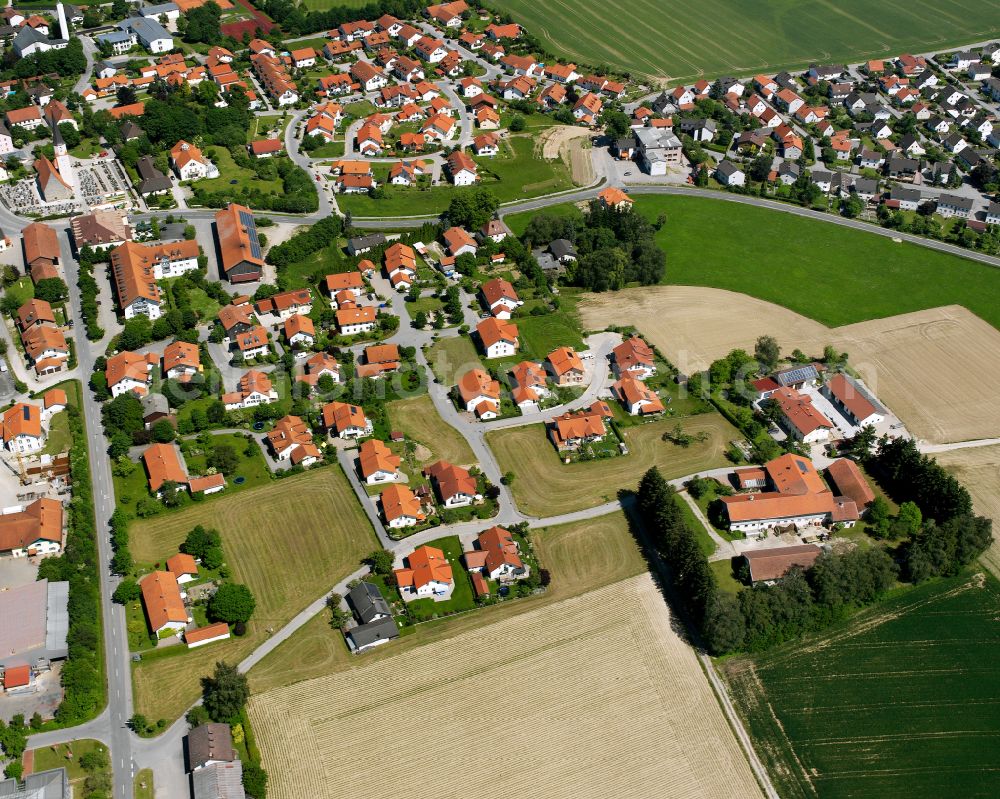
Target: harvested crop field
{"type": "Point", "coordinates": [905, 359]}
{"type": "Point", "coordinates": [423, 717]}
{"type": "Point", "coordinates": [545, 486]}
{"type": "Point", "coordinates": [900, 702]}
{"type": "Point", "coordinates": [978, 468]}
{"type": "Point", "coordinates": [289, 541]}
{"type": "Point", "coordinates": [572, 145]}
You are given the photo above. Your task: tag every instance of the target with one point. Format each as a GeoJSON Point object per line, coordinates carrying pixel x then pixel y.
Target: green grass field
{"type": "Point", "coordinates": [517, 175]}
{"type": "Point", "coordinates": [289, 541]}
{"type": "Point", "coordinates": [899, 702]}
{"type": "Point", "coordinates": [835, 275]}
{"type": "Point", "coordinates": [681, 41]}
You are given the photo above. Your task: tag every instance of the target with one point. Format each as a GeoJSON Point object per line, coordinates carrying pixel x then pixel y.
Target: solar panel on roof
{"type": "Point", "coordinates": [247, 220]}
{"type": "Point", "coordinates": [797, 375]}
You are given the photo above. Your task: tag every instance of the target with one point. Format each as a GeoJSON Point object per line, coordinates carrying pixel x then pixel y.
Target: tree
{"type": "Point", "coordinates": [380, 561]}
{"type": "Point", "coordinates": [517, 123]}
{"type": "Point", "coordinates": [908, 521]}
{"type": "Point", "coordinates": [472, 209]}
{"type": "Point", "coordinates": [254, 781]}
{"type": "Point", "coordinates": [767, 352]}
{"type": "Point", "coordinates": [163, 432]}
{"type": "Point", "coordinates": [197, 716]}
{"type": "Point", "coordinates": [224, 693]}
{"type": "Point", "coordinates": [94, 760]}
{"type": "Point", "coordinates": [232, 602]}
{"type": "Point", "coordinates": [723, 627]}
{"type": "Point", "coordinates": [127, 591]}
{"type": "Point", "coordinates": [137, 332]}
{"type": "Point", "coordinates": [878, 516]}
{"type": "Point", "coordinates": [123, 413]}
{"type": "Point", "coordinates": [51, 289]}
{"type": "Point", "coordinates": [420, 320]}
{"type": "Point", "coordinates": [224, 458]}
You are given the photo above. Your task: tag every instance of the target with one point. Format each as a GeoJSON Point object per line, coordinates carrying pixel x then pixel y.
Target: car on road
{"type": "Point", "coordinates": [628, 173]}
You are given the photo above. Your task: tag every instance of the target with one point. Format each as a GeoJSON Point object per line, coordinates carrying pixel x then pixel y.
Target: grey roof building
{"type": "Point", "coordinates": [562, 250]}
{"type": "Point", "coordinates": [368, 603]}
{"type": "Point", "coordinates": [34, 623]}
{"type": "Point", "coordinates": [210, 743]}
{"type": "Point", "coordinates": [151, 179]}
{"type": "Point", "coordinates": [378, 632]}
{"type": "Point", "coordinates": [52, 784]}
{"type": "Point", "coordinates": [362, 244]}
{"type": "Point", "coordinates": [219, 781]}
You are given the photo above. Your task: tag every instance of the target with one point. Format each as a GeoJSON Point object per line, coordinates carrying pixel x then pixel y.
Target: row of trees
{"type": "Point", "coordinates": [82, 674]}
{"type": "Point", "coordinates": [306, 242]}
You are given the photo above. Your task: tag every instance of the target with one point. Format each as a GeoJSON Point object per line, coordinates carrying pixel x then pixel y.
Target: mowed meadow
{"type": "Point", "coordinates": [900, 702]}
{"type": "Point", "coordinates": [290, 541]}
{"type": "Point", "coordinates": [684, 41]}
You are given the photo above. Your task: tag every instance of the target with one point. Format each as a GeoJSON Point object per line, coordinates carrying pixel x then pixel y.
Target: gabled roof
{"type": "Point", "coordinates": [451, 480]}
{"type": "Point", "coordinates": [162, 597]}
{"type": "Point", "coordinates": [341, 416]}
{"type": "Point", "coordinates": [493, 330]}
{"type": "Point", "coordinates": [398, 501]}
{"type": "Point", "coordinates": [374, 456]}
{"type": "Point", "coordinates": [21, 419]}
{"type": "Point", "coordinates": [163, 465]}
{"type": "Point", "coordinates": [563, 360]}
{"type": "Point", "coordinates": [426, 564]}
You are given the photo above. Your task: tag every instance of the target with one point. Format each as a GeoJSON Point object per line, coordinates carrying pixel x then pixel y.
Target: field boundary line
{"type": "Point", "coordinates": [736, 725]}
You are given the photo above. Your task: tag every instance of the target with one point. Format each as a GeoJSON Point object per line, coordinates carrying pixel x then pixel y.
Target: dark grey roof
{"type": "Point", "coordinates": [51, 784]}
{"type": "Point", "coordinates": [131, 131]}
{"type": "Point", "coordinates": [953, 200]}
{"type": "Point", "coordinates": [797, 374]}
{"type": "Point", "coordinates": [789, 168]}
{"type": "Point", "coordinates": [625, 144]}
{"type": "Point", "coordinates": [821, 176]}
{"type": "Point", "coordinates": [865, 186]}
{"type": "Point", "coordinates": [728, 168]}
{"type": "Point", "coordinates": [903, 165]}
{"type": "Point", "coordinates": [151, 179]}
{"type": "Point", "coordinates": [219, 781]}
{"type": "Point", "coordinates": [154, 402]}
{"type": "Point", "coordinates": [561, 248]}
{"type": "Point", "coordinates": [208, 742]}
{"type": "Point", "coordinates": [28, 36]}
{"type": "Point", "coordinates": [368, 634]}
{"type": "Point", "coordinates": [368, 603]}
{"type": "Point", "coordinates": [905, 195]}
{"type": "Point", "coordinates": [364, 242]}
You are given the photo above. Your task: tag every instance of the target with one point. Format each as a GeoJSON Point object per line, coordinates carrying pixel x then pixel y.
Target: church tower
{"type": "Point", "coordinates": [62, 161]}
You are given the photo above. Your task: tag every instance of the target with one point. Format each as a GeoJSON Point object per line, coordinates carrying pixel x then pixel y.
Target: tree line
{"type": "Point", "coordinates": [82, 674]}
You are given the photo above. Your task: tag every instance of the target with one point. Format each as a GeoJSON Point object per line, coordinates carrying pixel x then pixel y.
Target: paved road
{"type": "Point", "coordinates": [90, 51]}
{"type": "Point", "coordinates": [119, 710]}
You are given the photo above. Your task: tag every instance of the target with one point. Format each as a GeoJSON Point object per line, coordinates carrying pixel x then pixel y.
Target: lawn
{"type": "Point", "coordinates": [539, 335]}
{"type": "Point", "coordinates": [131, 489]}
{"type": "Point", "coordinates": [545, 486]}
{"type": "Point", "coordinates": [308, 272]}
{"type": "Point", "coordinates": [461, 598]}
{"type": "Point", "coordinates": [420, 421]}
{"type": "Point", "coordinates": [143, 788]}
{"type": "Point", "coordinates": [633, 36]}
{"type": "Point", "coordinates": [289, 541]}
{"type": "Point", "coordinates": [835, 275]}
{"type": "Point", "coordinates": [206, 307]}
{"type": "Point", "coordinates": [452, 357]}
{"type": "Point", "coordinates": [516, 176]}
{"type": "Point", "coordinates": [58, 438]}
{"type": "Point", "coordinates": [580, 557]}
{"type": "Point", "coordinates": [899, 702]}
{"type": "Point", "coordinates": [51, 757]}
{"type": "Point", "coordinates": [20, 290]}
{"type": "Point", "coordinates": [832, 274]}
{"type": "Point", "coordinates": [229, 171]}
